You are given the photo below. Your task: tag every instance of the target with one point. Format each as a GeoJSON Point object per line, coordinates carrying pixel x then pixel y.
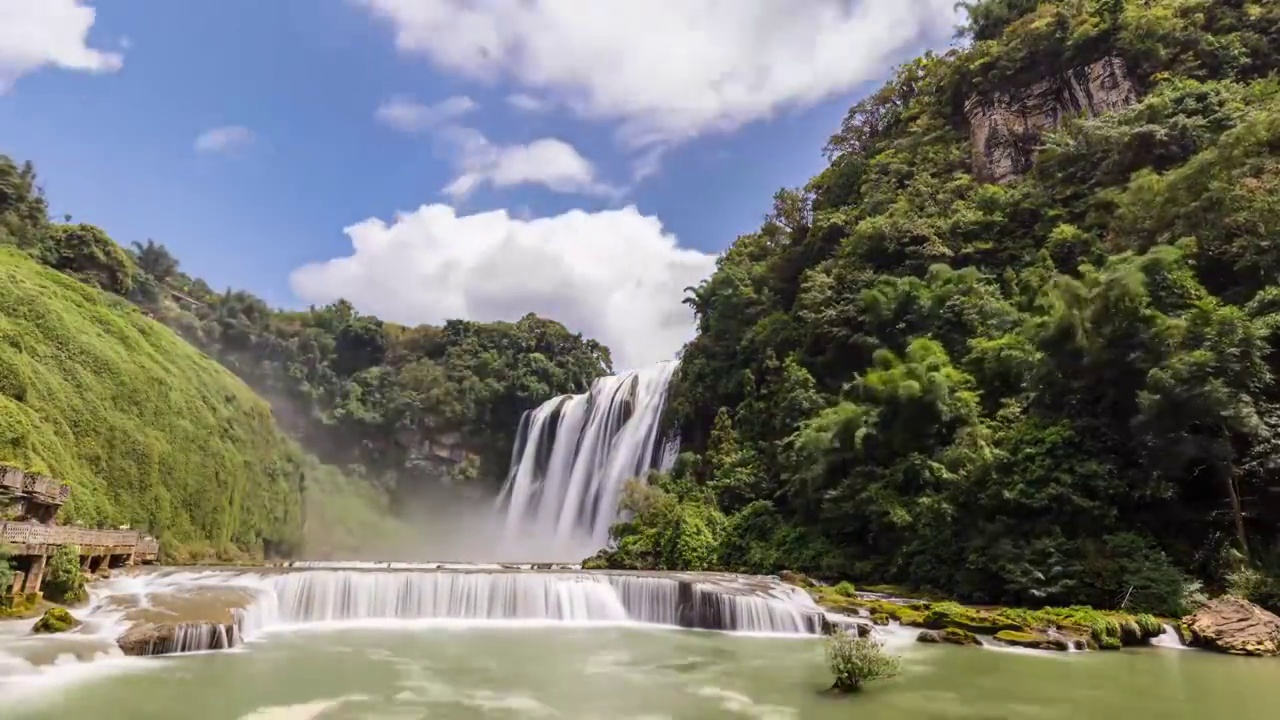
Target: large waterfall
{"type": "Point", "coordinates": [574, 452]}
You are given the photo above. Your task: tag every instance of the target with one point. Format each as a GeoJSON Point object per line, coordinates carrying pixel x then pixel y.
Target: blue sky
{"type": "Point", "coordinates": [734, 100]}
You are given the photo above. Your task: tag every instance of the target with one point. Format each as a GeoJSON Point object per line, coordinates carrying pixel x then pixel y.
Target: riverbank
{"type": "Point", "coordinates": [1227, 624]}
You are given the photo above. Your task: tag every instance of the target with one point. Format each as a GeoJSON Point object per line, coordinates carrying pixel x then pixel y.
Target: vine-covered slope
{"type": "Point", "coordinates": [147, 430]}
{"type": "Point", "coordinates": [1017, 342]}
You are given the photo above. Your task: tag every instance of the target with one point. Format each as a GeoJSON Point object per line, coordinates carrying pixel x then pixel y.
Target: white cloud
{"type": "Point", "coordinates": [613, 275]}
{"type": "Point", "coordinates": [406, 114]}
{"type": "Point", "coordinates": [668, 70]}
{"type": "Point", "coordinates": [550, 162]}
{"type": "Point", "coordinates": [37, 33]}
{"type": "Point", "coordinates": [225, 139]}
{"type": "Point", "coordinates": [527, 103]}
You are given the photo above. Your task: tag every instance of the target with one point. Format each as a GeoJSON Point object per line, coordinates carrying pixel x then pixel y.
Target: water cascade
{"type": "Point", "coordinates": [573, 453]}
{"type": "Point", "coordinates": [712, 602]}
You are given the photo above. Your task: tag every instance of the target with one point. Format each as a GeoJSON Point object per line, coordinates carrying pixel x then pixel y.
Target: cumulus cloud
{"type": "Point", "coordinates": [408, 115]}
{"type": "Point", "coordinates": [614, 275]}
{"type": "Point", "coordinates": [668, 70]}
{"type": "Point", "coordinates": [40, 33]}
{"type": "Point", "coordinates": [527, 103]}
{"type": "Point", "coordinates": [225, 139]}
{"type": "Point", "coordinates": [549, 162]}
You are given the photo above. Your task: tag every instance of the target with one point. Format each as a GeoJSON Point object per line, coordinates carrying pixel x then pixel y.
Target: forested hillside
{"type": "Point", "coordinates": [1017, 343]}
{"type": "Point", "coordinates": [152, 433]}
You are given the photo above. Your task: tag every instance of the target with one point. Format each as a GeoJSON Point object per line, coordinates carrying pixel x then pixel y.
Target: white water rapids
{"type": "Point", "coordinates": [259, 603]}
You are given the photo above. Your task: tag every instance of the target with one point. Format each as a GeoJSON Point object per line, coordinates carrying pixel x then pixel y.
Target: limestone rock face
{"type": "Point", "coordinates": [1005, 128]}
{"type": "Point", "coordinates": [1234, 625]}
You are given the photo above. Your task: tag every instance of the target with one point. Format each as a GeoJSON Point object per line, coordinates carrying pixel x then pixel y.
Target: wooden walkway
{"type": "Point", "coordinates": [34, 537]}
{"type": "Point", "coordinates": [28, 538]}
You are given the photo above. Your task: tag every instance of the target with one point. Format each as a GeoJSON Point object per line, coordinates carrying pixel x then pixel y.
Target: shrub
{"type": "Point", "coordinates": [6, 571]}
{"type": "Point", "coordinates": [856, 660]}
{"type": "Point", "coordinates": [846, 589]}
{"type": "Point", "coordinates": [63, 581]}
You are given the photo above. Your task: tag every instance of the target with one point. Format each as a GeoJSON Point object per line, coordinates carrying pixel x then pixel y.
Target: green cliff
{"type": "Point", "coordinates": [147, 430]}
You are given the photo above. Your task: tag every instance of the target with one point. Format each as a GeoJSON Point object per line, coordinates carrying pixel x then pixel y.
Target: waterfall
{"type": "Point", "coordinates": [573, 453]}
{"type": "Point", "coordinates": [691, 601]}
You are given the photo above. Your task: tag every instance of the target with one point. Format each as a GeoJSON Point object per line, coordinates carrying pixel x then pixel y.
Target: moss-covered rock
{"type": "Point", "coordinates": [795, 578]}
{"type": "Point", "coordinates": [879, 619]}
{"type": "Point", "coordinates": [979, 622]}
{"type": "Point", "coordinates": [950, 636]}
{"type": "Point", "coordinates": [1033, 641]}
{"type": "Point", "coordinates": [55, 620]}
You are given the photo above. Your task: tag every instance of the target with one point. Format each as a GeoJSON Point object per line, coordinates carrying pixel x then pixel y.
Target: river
{"type": "Point", "coordinates": [403, 671]}
{"type": "Point", "coordinates": [349, 644]}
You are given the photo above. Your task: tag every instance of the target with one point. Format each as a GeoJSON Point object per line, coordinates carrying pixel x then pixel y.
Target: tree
{"type": "Point", "coordinates": [87, 252]}
{"type": "Point", "coordinates": [155, 260]}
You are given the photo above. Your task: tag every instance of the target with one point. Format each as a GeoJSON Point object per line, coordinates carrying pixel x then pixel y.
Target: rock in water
{"type": "Point", "coordinates": [55, 620]}
{"type": "Point", "coordinates": [951, 636]}
{"type": "Point", "coordinates": [170, 638]}
{"type": "Point", "coordinates": [1234, 625]}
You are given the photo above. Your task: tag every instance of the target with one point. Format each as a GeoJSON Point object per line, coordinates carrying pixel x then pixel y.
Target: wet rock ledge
{"type": "Point", "coordinates": [165, 639]}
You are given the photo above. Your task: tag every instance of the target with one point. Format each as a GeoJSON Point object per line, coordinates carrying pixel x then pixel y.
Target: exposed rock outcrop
{"type": "Point", "coordinates": [1234, 625]}
{"type": "Point", "coordinates": [1005, 128]}
{"type": "Point", "coordinates": [170, 638]}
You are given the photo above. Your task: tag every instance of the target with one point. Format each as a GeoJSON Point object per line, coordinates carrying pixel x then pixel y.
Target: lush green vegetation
{"type": "Point", "coordinates": [1057, 390]}
{"type": "Point", "coordinates": [6, 572]}
{"type": "Point", "coordinates": [150, 432]}
{"type": "Point", "coordinates": [856, 660]}
{"type": "Point", "coordinates": [63, 581]}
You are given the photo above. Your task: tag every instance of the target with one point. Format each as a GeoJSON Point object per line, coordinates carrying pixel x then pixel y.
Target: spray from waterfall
{"type": "Point", "coordinates": [573, 454]}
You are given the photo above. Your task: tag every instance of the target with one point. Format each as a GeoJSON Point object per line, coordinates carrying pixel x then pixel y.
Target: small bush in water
{"type": "Point", "coordinates": [846, 589]}
{"type": "Point", "coordinates": [856, 660]}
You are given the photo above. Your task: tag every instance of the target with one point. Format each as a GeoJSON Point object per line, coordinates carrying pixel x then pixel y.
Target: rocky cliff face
{"type": "Point", "coordinates": [1006, 128]}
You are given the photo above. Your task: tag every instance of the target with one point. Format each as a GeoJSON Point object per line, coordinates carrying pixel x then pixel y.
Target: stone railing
{"type": "Point", "coordinates": [22, 533]}
{"type": "Point", "coordinates": [11, 479]}
{"type": "Point", "coordinates": [16, 481]}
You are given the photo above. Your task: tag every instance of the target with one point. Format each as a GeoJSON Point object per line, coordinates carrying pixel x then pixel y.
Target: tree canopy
{"type": "Point", "coordinates": [1061, 388]}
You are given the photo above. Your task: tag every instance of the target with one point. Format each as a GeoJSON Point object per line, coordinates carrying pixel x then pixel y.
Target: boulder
{"type": "Point", "coordinates": [950, 636]}
{"type": "Point", "coordinates": [1034, 641]}
{"type": "Point", "coordinates": [1236, 626]}
{"type": "Point", "coordinates": [55, 620]}
{"type": "Point", "coordinates": [170, 638]}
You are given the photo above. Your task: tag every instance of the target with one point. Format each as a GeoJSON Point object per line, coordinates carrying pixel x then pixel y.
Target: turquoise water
{"type": "Point", "coordinates": [403, 671]}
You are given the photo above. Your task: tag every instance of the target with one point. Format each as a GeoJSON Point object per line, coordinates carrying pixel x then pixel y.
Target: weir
{"type": "Point", "coordinates": [291, 598]}
{"type": "Point", "coordinates": [573, 454]}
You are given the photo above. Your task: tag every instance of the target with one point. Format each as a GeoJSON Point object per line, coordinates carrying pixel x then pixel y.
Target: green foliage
{"type": "Point", "coordinates": [376, 399]}
{"type": "Point", "coordinates": [845, 588]}
{"type": "Point", "coordinates": [146, 430]}
{"type": "Point", "coordinates": [666, 531]}
{"type": "Point", "coordinates": [855, 661]}
{"type": "Point", "coordinates": [1056, 391]}
{"type": "Point", "coordinates": [63, 581]}
{"type": "Point", "coordinates": [86, 252]}
{"type": "Point", "coordinates": [6, 571]}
